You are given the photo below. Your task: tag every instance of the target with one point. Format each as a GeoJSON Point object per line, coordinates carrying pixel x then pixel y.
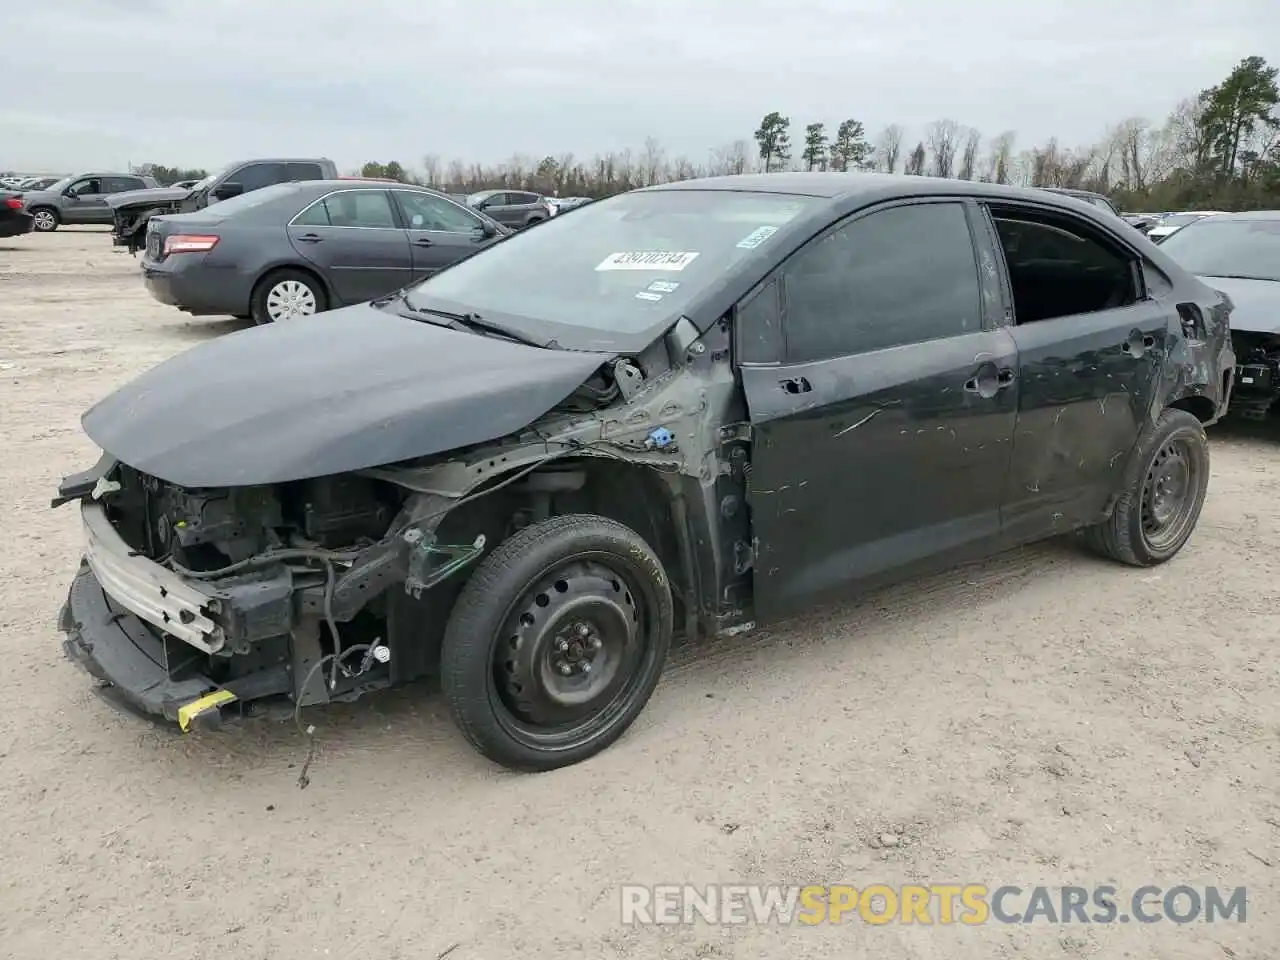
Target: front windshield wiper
{"type": "Point", "coordinates": [474, 323]}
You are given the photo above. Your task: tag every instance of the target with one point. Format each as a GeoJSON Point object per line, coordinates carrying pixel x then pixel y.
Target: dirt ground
{"type": "Point", "coordinates": [1044, 718]}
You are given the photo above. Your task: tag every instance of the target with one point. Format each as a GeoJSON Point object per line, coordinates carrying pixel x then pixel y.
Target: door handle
{"type": "Point", "coordinates": [423, 242]}
{"type": "Point", "coordinates": [310, 238]}
{"type": "Point", "coordinates": [990, 381]}
{"type": "Point", "coordinates": [794, 385]}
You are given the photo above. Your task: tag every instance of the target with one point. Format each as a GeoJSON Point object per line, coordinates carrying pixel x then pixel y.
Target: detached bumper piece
{"type": "Point", "coordinates": [144, 672]}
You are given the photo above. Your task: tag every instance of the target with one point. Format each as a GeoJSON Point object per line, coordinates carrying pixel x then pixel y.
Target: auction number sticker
{"type": "Point", "coordinates": [648, 260]}
{"type": "Point", "coordinates": [756, 237]}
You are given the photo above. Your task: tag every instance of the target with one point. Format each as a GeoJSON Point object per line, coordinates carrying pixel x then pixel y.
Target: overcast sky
{"type": "Point", "coordinates": [99, 83]}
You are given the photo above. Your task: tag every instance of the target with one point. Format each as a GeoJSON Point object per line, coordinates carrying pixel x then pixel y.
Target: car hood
{"type": "Point", "coordinates": [146, 197]}
{"type": "Point", "coordinates": [1257, 303]}
{"type": "Point", "coordinates": [339, 391]}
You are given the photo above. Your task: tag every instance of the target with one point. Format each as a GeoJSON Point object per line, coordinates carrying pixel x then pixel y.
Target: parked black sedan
{"type": "Point", "coordinates": [694, 407]}
{"type": "Point", "coordinates": [296, 249]}
{"type": "Point", "coordinates": [14, 220]}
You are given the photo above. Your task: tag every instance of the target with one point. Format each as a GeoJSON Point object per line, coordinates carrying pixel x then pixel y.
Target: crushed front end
{"type": "Point", "coordinates": [190, 604]}
{"type": "Point", "coordinates": [129, 223]}
{"type": "Point", "coordinates": [1257, 375]}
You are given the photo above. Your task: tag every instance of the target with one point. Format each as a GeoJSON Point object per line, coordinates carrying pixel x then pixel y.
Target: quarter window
{"type": "Point", "coordinates": [897, 276]}
{"type": "Point", "coordinates": [425, 212]}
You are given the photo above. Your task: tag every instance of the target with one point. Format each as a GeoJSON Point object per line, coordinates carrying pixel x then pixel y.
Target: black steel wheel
{"type": "Point", "coordinates": [1164, 492]}
{"type": "Point", "coordinates": [557, 642]}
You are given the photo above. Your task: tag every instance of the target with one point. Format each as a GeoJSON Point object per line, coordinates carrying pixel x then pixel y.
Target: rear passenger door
{"type": "Point", "coordinates": [354, 238]}
{"type": "Point", "coordinates": [440, 232]}
{"type": "Point", "coordinates": [1091, 346]}
{"type": "Point", "coordinates": [882, 401]}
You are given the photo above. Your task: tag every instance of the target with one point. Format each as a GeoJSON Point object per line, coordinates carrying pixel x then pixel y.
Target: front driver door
{"type": "Point", "coordinates": [440, 232]}
{"type": "Point", "coordinates": [881, 431]}
{"type": "Point", "coordinates": [355, 240]}
{"type": "Point", "coordinates": [86, 202]}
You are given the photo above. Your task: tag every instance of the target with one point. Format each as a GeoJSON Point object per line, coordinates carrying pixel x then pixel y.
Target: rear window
{"type": "Point", "coordinates": [621, 265]}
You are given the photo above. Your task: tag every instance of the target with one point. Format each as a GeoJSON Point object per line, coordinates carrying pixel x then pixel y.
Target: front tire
{"type": "Point", "coordinates": [286, 295]}
{"type": "Point", "coordinates": [46, 219]}
{"type": "Point", "coordinates": [1164, 492]}
{"type": "Point", "coordinates": [557, 642]}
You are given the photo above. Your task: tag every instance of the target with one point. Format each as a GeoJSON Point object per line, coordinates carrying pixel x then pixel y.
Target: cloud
{"type": "Point", "coordinates": [205, 82]}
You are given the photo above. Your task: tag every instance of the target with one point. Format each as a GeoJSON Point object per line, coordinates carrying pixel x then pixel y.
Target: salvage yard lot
{"type": "Point", "coordinates": [1043, 718]}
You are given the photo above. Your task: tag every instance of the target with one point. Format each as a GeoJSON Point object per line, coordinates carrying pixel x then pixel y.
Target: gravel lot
{"type": "Point", "coordinates": [1044, 718]}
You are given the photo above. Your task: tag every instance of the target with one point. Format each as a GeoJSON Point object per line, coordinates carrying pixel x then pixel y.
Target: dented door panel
{"type": "Point", "coordinates": [1088, 386]}
{"type": "Point", "coordinates": [877, 463]}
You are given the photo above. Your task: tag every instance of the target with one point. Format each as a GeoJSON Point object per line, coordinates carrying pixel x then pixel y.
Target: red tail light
{"type": "Point", "coordinates": [13, 203]}
{"type": "Point", "coordinates": [186, 243]}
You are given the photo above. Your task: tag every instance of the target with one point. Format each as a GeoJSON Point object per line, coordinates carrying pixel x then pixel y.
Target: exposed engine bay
{"type": "Point", "coordinates": [1257, 383]}
{"type": "Point", "coordinates": [327, 588]}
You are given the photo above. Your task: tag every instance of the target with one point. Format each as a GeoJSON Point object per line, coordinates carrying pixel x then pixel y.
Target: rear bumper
{"type": "Point", "coordinates": [17, 225]}
{"type": "Point", "coordinates": [200, 292]}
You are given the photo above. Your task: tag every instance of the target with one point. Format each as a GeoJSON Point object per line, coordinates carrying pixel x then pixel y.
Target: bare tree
{"type": "Point", "coordinates": [969, 155]}
{"type": "Point", "coordinates": [730, 159]}
{"type": "Point", "coordinates": [682, 168]}
{"type": "Point", "coordinates": [652, 166]}
{"type": "Point", "coordinates": [889, 148]}
{"type": "Point", "coordinates": [431, 169]}
{"type": "Point", "coordinates": [915, 161]}
{"type": "Point", "coordinates": [943, 140]}
{"type": "Point", "coordinates": [1000, 159]}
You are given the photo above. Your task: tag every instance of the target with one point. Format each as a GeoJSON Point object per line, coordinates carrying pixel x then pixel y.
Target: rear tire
{"type": "Point", "coordinates": [46, 219]}
{"type": "Point", "coordinates": [556, 642]}
{"type": "Point", "coordinates": [1164, 492]}
{"type": "Point", "coordinates": [286, 295]}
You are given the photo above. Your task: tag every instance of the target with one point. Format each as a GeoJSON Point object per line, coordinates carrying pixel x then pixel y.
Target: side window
{"type": "Point", "coordinates": [1158, 285]}
{"type": "Point", "coordinates": [1058, 267]}
{"type": "Point", "coordinates": [360, 208]}
{"type": "Point", "coordinates": [498, 199]}
{"type": "Point", "coordinates": [898, 276]}
{"type": "Point", "coordinates": [522, 198]}
{"type": "Point", "coordinates": [758, 332]}
{"type": "Point", "coordinates": [316, 215]}
{"type": "Point", "coordinates": [117, 184]}
{"type": "Point", "coordinates": [86, 187]}
{"type": "Point", "coordinates": [302, 171]}
{"type": "Point", "coordinates": [255, 176]}
{"type": "Point", "coordinates": [425, 212]}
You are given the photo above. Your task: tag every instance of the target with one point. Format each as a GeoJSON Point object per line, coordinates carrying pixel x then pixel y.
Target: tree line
{"type": "Point", "coordinates": [1219, 149]}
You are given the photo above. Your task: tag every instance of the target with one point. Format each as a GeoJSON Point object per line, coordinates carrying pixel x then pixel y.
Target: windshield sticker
{"type": "Point", "coordinates": [646, 295]}
{"type": "Point", "coordinates": [647, 260]}
{"type": "Point", "coordinates": [756, 237]}
{"type": "Point", "coordinates": [663, 286]}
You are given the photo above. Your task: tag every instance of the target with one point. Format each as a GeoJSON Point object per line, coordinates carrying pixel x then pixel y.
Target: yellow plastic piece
{"type": "Point", "coordinates": [211, 701]}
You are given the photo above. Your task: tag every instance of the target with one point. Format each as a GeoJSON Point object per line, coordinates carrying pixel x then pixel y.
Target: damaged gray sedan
{"type": "Point", "coordinates": [684, 410]}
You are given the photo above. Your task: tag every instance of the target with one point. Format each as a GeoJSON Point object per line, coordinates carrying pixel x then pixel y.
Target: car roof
{"type": "Point", "coordinates": [1248, 215]}
{"type": "Point", "coordinates": [866, 187]}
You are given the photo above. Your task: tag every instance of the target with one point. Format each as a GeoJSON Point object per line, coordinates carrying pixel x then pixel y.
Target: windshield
{"type": "Point", "coordinates": [620, 265]}
{"type": "Point", "coordinates": [206, 182]}
{"type": "Point", "coordinates": [473, 198]}
{"type": "Point", "coordinates": [1228, 248]}
{"type": "Point", "coordinates": [60, 185]}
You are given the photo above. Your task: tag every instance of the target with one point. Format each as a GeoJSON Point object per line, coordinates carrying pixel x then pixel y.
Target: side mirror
{"type": "Point", "coordinates": [488, 230]}
{"type": "Point", "coordinates": [225, 191]}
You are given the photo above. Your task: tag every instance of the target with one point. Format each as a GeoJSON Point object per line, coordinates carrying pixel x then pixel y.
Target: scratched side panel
{"type": "Point", "coordinates": [884, 462]}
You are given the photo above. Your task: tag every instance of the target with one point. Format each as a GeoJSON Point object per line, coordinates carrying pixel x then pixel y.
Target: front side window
{"type": "Point", "coordinates": [425, 212]}
{"type": "Point", "coordinates": [255, 176]}
{"type": "Point", "coordinates": [1057, 268]}
{"type": "Point", "coordinates": [617, 267]}
{"type": "Point", "coordinates": [84, 188]}
{"type": "Point", "coordinates": [1213, 247]}
{"type": "Point", "coordinates": [897, 276]}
